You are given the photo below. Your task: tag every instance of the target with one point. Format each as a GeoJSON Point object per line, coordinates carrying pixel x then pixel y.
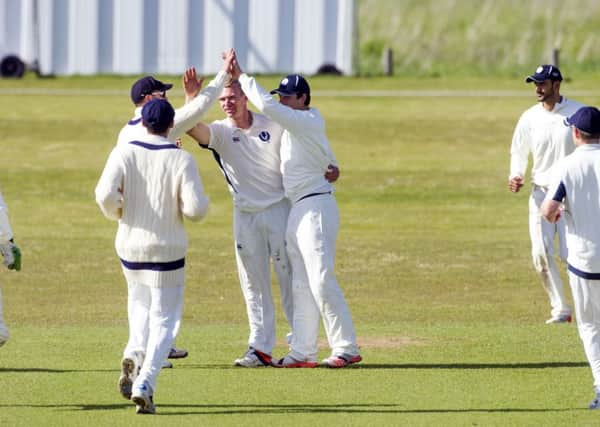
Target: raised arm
{"type": "Point", "coordinates": [190, 114]}
{"type": "Point", "coordinates": [191, 84]}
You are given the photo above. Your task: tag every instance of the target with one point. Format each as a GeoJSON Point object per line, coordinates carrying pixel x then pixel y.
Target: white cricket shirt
{"type": "Point", "coordinates": [250, 161]}
{"type": "Point", "coordinates": [576, 182]}
{"type": "Point", "coordinates": [186, 117]}
{"type": "Point", "coordinates": [305, 151]}
{"type": "Point", "coordinates": [543, 134]}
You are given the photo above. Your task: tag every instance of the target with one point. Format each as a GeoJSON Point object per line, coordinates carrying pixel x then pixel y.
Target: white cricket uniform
{"type": "Point", "coordinates": [544, 134]}
{"type": "Point", "coordinates": [312, 227]}
{"type": "Point", "coordinates": [576, 183]}
{"type": "Point", "coordinates": [250, 161]}
{"type": "Point", "coordinates": [149, 186]}
{"type": "Point", "coordinates": [5, 235]}
{"type": "Point", "coordinates": [185, 118]}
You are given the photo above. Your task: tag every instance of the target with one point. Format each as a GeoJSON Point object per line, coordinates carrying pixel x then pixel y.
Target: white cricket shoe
{"type": "Point", "coordinates": [289, 362]}
{"type": "Point", "coordinates": [142, 397]}
{"type": "Point", "coordinates": [130, 369]}
{"type": "Point", "coordinates": [595, 404]}
{"type": "Point", "coordinates": [561, 318]}
{"type": "Point", "coordinates": [253, 359]}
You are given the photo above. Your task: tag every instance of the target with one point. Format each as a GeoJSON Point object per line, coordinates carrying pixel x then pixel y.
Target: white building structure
{"type": "Point", "coordinates": [65, 37]}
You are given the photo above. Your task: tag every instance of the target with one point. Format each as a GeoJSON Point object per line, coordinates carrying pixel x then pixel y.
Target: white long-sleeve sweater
{"type": "Point", "coordinates": [543, 134]}
{"type": "Point", "coordinates": [149, 186]}
{"type": "Point", "coordinates": [305, 151]}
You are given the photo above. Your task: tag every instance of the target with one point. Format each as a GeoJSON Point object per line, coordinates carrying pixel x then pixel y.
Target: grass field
{"type": "Point", "coordinates": [483, 37]}
{"type": "Point", "coordinates": [433, 257]}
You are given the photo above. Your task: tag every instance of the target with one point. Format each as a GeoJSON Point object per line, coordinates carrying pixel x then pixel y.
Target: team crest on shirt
{"type": "Point", "coordinates": [264, 136]}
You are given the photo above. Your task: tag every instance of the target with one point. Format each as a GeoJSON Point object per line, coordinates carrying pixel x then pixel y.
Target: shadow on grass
{"type": "Point", "coordinates": [233, 409]}
{"type": "Point", "coordinates": [527, 365]}
{"type": "Point", "coordinates": [54, 371]}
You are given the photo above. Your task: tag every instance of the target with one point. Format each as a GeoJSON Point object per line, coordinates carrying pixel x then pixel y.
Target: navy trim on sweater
{"type": "Point", "coordinates": [561, 193]}
{"type": "Point", "coordinates": [154, 266]}
{"type": "Point", "coordinates": [154, 146]}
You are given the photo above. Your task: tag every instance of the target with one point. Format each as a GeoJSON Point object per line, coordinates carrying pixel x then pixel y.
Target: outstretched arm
{"type": "Point", "coordinates": [200, 133]}
{"type": "Point", "coordinates": [190, 114]}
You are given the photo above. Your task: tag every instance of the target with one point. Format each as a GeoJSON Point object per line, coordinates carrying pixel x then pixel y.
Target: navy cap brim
{"type": "Point", "coordinates": [282, 92]}
{"type": "Point", "coordinates": [530, 79]}
{"type": "Point", "coordinates": [167, 86]}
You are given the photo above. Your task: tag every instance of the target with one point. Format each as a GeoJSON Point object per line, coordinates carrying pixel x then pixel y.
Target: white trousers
{"type": "Point", "coordinates": [154, 317]}
{"type": "Point", "coordinates": [4, 335]}
{"type": "Point", "coordinates": [586, 298]}
{"type": "Point", "coordinates": [259, 239]}
{"type": "Point", "coordinates": [311, 235]}
{"type": "Point", "coordinates": [542, 234]}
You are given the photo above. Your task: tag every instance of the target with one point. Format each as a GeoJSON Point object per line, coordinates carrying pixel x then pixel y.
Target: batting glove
{"type": "Point", "coordinates": [12, 255]}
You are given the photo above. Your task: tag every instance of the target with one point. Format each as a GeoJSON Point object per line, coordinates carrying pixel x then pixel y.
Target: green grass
{"type": "Point", "coordinates": [433, 257]}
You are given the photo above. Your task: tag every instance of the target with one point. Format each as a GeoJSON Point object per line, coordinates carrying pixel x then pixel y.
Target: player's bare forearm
{"type": "Point", "coordinates": [200, 133]}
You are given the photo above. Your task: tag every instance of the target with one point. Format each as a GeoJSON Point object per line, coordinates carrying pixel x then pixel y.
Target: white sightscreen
{"type": "Point", "coordinates": [165, 36]}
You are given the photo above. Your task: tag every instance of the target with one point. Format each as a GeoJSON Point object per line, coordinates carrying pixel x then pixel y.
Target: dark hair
{"type": "Point", "coordinates": [307, 100]}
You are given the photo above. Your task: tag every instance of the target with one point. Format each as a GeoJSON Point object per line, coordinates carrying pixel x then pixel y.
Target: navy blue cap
{"type": "Point", "coordinates": [157, 115]}
{"type": "Point", "coordinates": [145, 86]}
{"type": "Point", "coordinates": [586, 119]}
{"type": "Point", "coordinates": [545, 72]}
{"type": "Point", "coordinates": [291, 85]}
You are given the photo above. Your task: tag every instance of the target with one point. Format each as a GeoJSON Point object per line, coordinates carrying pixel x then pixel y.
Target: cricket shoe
{"type": "Point", "coordinates": [142, 397]}
{"type": "Point", "coordinates": [130, 369]}
{"type": "Point", "coordinates": [254, 359]}
{"type": "Point", "coordinates": [167, 365]}
{"type": "Point", "coordinates": [595, 404]}
{"type": "Point", "coordinates": [290, 362]}
{"type": "Point", "coordinates": [561, 318]}
{"type": "Point", "coordinates": [341, 360]}
{"type": "Point", "coordinates": [177, 353]}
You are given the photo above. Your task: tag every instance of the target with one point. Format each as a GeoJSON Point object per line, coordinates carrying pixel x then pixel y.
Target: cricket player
{"type": "Point", "coordinates": [246, 146]}
{"type": "Point", "coordinates": [541, 132]}
{"type": "Point", "coordinates": [148, 88]}
{"type": "Point", "coordinates": [312, 224]}
{"type": "Point", "coordinates": [574, 192]}
{"type": "Point", "coordinates": [149, 186]}
{"type": "Point", "coordinates": [11, 259]}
